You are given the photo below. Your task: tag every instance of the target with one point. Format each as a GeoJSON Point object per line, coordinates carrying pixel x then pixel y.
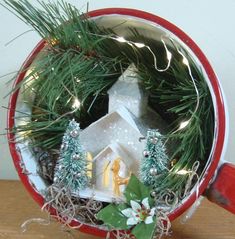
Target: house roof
{"type": "Point", "coordinates": [128, 84]}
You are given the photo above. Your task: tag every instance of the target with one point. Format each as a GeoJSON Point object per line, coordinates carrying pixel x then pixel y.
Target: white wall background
{"type": "Point", "coordinates": [210, 23]}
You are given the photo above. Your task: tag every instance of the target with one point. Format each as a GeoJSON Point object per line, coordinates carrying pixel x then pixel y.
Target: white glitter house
{"type": "Point", "coordinates": [128, 92]}
{"type": "Point", "coordinates": [113, 136]}
{"type": "Point", "coordinates": [117, 134]}
{"type": "Point", "coordinates": [116, 127]}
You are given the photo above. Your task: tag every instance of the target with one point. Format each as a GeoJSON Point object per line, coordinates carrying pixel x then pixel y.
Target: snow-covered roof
{"type": "Point", "coordinates": [128, 84]}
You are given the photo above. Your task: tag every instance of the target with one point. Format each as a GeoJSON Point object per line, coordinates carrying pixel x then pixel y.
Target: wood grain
{"type": "Point", "coordinates": [209, 221]}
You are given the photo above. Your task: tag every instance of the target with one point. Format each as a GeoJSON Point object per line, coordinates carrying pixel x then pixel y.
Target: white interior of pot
{"type": "Point", "coordinates": [120, 24]}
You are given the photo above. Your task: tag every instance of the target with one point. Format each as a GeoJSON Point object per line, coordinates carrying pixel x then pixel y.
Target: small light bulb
{"type": "Point", "coordinates": [183, 172]}
{"type": "Point", "coordinates": [184, 124]}
{"type": "Point", "coordinates": [76, 103]}
{"type": "Point", "coordinates": [121, 39]}
{"type": "Point", "coordinates": [168, 55]}
{"type": "Point", "coordinates": [139, 45]}
{"type": "Point", "coordinates": [185, 61]}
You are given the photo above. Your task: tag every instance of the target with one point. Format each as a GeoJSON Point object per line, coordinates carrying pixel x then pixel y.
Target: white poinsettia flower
{"type": "Point", "coordinates": [139, 212]}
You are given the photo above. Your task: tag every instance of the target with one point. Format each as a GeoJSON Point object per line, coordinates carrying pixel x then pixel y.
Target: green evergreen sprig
{"type": "Point", "coordinates": [174, 91]}
{"type": "Point", "coordinates": [155, 161]}
{"type": "Point", "coordinates": [71, 168]}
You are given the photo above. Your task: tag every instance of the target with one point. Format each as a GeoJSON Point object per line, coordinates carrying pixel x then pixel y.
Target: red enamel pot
{"type": "Point", "coordinates": [218, 180]}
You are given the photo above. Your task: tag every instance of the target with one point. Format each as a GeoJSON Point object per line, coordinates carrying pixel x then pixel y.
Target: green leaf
{"type": "Point", "coordinates": [137, 191]}
{"type": "Point", "coordinates": [144, 231]}
{"type": "Point", "coordinates": [112, 216]}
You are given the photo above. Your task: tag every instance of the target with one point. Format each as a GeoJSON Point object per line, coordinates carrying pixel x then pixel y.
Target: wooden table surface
{"type": "Point", "coordinates": [208, 222]}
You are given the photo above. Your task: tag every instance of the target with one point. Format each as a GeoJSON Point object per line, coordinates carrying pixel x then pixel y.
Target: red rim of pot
{"type": "Point", "coordinates": [219, 108]}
